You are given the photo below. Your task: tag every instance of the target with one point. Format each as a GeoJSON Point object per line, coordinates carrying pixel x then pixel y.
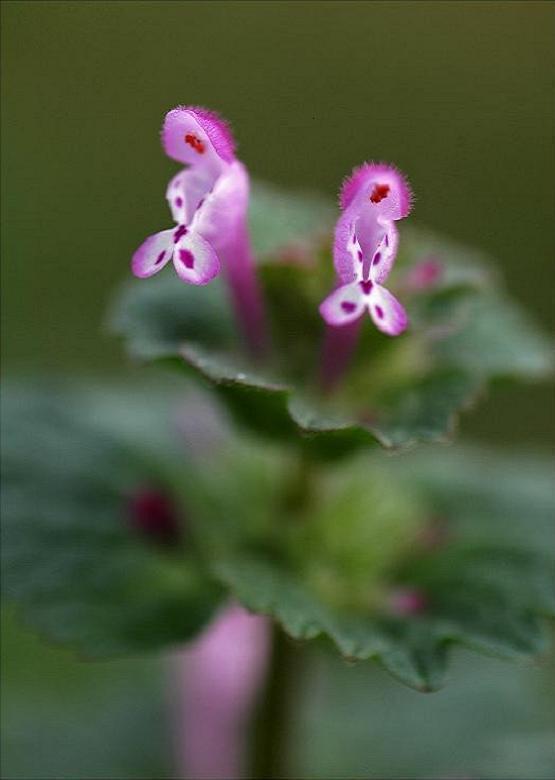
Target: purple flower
{"type": "Point", "coordinates": [205, 199]}
{"type": "Point", "coordinates": [209, 202]}
{"type": "Point", "coordinates": [365, 246]}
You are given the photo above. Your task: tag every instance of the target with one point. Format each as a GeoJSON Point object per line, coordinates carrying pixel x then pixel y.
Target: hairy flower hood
{"type": "Point", "coordinates": [208, 199]}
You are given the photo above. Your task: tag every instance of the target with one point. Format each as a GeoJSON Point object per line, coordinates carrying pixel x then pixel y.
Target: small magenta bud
{"type": "Point", "coordinates": [403, 602]}
{"type": "Point", "coordinates": [424, 275]}
{"type": "Point", "coordinates": [154, 515]}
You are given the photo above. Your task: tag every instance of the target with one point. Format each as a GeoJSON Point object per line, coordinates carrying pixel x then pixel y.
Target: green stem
{"type": "Point", "coordinates": [274, 716]}
{"type": "Point", "coordinates": [298, 491]}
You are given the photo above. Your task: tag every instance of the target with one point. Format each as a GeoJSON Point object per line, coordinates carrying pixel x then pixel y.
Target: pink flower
{"type": "Point", "coordinates": [365, 246]}
{"type": "Point", "coordinates": [206, 199]}
{"type": "Point", "coordinates": [220, 677]}
{"type": "Point", "coordinates": [209, 202]}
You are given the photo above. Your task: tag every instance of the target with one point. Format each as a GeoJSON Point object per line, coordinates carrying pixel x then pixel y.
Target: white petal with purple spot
{"type": "Point", "coordinates": [153, 254]}
{"type": "Point", "coordinates": [194, 259]}
{"type": "Point", "coordinates": [344, 305]}
{"type": "Point", "coordinates": [388, 314]}
{"type": "Point", "coordinates": [176, 198]}
{"type": "Point", "coordinates": [188, 190]}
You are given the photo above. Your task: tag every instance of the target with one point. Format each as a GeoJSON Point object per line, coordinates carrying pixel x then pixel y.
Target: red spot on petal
{"type": "Point", "coordinates": [195, 143]}
{"type": "Point", "coordinates": [348, 306]}
{"type": "Point", "coordinates": [377, 258]}
{"type": "Point", "coordinates": [178, 202]}
{"type": "Point", "coordinates": [160, 257]}
{"type": "Point", "coordinates": [379, 311]}
{"type": "Point", "coordinates": [379, 193]}
{"type": "Point", "coordinates": [187, 258]}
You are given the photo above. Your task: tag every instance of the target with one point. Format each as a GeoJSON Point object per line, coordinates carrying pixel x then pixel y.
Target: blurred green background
{"type": "Point", "coordinates": [458, 94]}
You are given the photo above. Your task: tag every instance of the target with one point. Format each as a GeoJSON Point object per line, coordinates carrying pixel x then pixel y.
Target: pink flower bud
{"type": "Point", "coordinates": [154, 515]}
{"type": "Point", "coordinates": [406, 601]}
{"type": "Point", "coordinates": [424, 275]}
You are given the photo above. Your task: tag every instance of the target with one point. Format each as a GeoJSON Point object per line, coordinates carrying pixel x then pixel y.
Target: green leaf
{"type": "Point", "coordinates": [498, 340]}
{"type": "Point", "coordinates": [350, 719]}
{"type": "Point", "coordinates": [155, 316]}
{"type": "Point", "coordinates": [486, 497]}
{"type": "Point", "coordinates": [287, 222]}
{"type": "Point", "coordinates": [81, 573]}
{"type": "Point", "coordinates": [266, 589]}
{"type": "Point", "coordinates": [398, 392]}
{"type": "Point", "coordinates": [425, 411]}
{"type": "Point", "coordinates": [490, 592]}
{"type": "Point", "coordinates": [83, 576]}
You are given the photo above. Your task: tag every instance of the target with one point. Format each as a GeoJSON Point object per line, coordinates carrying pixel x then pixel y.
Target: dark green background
{"type": "Point", "coordinates": [458, 94]}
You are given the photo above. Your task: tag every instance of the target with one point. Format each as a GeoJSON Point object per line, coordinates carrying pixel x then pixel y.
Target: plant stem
{"type": "Point", "coordinates": [273, 717]}
{"type": "Point", "coordinates": [337, 350]}
{"type": "Point", "coordinates": [245, 292]}
{"type": "Point", "coordinates": [299, 487]}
